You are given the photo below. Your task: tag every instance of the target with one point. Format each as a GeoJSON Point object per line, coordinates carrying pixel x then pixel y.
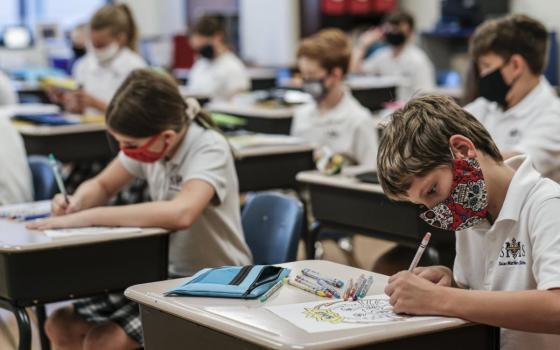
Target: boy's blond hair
{"type": "Point", "coordinates": [330, 47]}
{"type": "Point", "coordinates": [416, 141]}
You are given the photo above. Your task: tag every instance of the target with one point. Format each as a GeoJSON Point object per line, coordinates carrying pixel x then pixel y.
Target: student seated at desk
{"type": "Point", "coordinates": [517, 105]}
{"type": "Point", "coordinates": [111, 56]}
{"type": "Point", "coordinates": [216, 72]}
{"type": "Point", "coordinates": [7, 94]}
{"type": "Point", "coordinates": [16, 185]}
{"type": "Point", "coordinates": [193, 184]}
{"type": "Point", "coordinates": [335, 119]}
{"type": "Point", "coordinates": [400, 58]}
{"type": "Point", "coordinates": [507, 268]}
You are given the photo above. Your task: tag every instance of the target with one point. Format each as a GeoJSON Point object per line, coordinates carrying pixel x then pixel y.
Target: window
{"type": "Point", "coordinates": [66, 14]}
{"type": "Point", "coordinates": [9, 15]}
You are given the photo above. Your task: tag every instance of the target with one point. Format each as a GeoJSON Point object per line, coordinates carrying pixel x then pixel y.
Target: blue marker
{"type": "Point", "coordinates": [34, 217]}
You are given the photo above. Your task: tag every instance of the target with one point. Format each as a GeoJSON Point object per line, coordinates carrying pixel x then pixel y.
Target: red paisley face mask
{"type": "Point", "coordinates": [468, 202]}
{"type": "Point", "coordinates": [143, 154]}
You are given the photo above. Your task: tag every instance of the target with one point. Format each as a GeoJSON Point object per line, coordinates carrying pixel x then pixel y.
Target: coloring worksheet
{"type": "Point", "coordinates": [338, 314]}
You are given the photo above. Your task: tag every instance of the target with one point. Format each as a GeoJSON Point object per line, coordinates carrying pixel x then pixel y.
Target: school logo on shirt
{"type": "Point", "coordinates": [333, 134]}
{"type": "Point", "coordinates": [175, 182]}
{"type": "Point", "coordinates": [513, 253]}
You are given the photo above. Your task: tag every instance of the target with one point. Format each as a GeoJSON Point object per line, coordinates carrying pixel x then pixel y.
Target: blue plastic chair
{"type": "Point", "coordinates": [273, 225]}
{"type": "Point", "coordinates": [44, 182]}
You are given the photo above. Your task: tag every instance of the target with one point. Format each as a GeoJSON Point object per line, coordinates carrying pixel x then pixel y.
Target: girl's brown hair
{"type": "Point", "coordinates": [118, 19]}
{"type": "Point", "coordinates": [149, 102]}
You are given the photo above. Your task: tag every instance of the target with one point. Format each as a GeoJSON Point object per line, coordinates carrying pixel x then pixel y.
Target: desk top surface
{"type": "Point", "coordinates": [253, 323]}
{"type": "Point", "coordinates": [345, 180]}
{"type": "Point", "coordinates": [14, 238]}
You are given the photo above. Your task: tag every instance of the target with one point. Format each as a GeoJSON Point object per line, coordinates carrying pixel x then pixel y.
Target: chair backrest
{"type": "Point", "coordinates": [44, 182]}
{"type": "Point", "coordinates": [273, 224]}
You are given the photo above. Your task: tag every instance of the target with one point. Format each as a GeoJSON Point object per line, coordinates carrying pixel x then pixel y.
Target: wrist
{"type": "Point", "coordinates": [444, 301]}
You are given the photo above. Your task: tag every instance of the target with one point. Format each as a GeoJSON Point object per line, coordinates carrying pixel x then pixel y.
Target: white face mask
{"type": "Point", "coordinates": [107, 53]}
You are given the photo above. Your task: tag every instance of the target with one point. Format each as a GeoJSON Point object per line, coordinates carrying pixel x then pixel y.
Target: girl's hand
{"type": "Point", "coordinates": [414, 295]}
{"type": "Point", "coordinates": [73, 102]}
{"type": "Point", "coordinates": [66, 221]}
{"type": "Point", "coordinates": [440, 275]}
{"type": "Point", "coordinates": [60, 207]}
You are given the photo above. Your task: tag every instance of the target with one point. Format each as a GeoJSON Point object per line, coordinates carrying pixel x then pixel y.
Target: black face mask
{"type": "Point", "coordinates": [316, 88]}
{"type": "Point", "coordinates": [395, 38]}
{"type": "Point", "coordinates": [207, 51]}
{"type": "Point", "coordinates": [78, 51]}
{"type": "Point", "coordinates": [493, 87]}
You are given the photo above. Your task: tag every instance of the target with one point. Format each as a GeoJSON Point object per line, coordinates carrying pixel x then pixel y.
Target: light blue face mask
{"type": "Point", "coordinates": [316, 88]}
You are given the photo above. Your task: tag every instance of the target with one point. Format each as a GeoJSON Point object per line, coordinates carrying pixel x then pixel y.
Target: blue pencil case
{"type": "Point", "coordinates": [242, 282]}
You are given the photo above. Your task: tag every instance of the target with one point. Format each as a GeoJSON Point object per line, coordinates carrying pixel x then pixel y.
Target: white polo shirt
{"type": "Point", "coordinates": [16, 185]}
{"type": "Point", "coordinates": [412, 65]}
{"type": "Point", "coordinates": [347, 129]}
{"type": "Point", "coordinates": [520, 251]}
{"type": "Point", "coordinates": [531, 127]}
{"type": "Point", "coordinates": [216, 238]}
{"type": "Point", "coordinates": [8, 95]}
{"type": "Point", "coordinates": [220, 78]}
{"type": "Point", "coordinates": [103, 80]}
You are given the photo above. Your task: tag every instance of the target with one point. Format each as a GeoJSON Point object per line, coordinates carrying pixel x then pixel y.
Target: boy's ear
{"type": "Point", "coordinates": [338, 73]}
{"type": "Point", "coordinates": [518, 63]}
{"type": "Point", "coordinates": [169, 134]}
{"type": "Point", "coordinates": [462, 147]}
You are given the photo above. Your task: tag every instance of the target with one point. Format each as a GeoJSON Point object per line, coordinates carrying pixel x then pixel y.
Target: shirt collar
{"type": "Point", "coordinates": [193, 132]}
{"type": "Point", "coordinates": [526, 106]}
{"type": "Point", "coordinates": [337, 112]}
{"type": "Point", "coordinates": [523, 181]}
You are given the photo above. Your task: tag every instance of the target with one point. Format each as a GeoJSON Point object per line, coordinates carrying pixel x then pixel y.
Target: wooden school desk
{"type": "Point", "coordinates": [183, 322]}
{"type": "Point", "coordinates": [70, 143]}
{"type": "Point", "coordinates": [344, 204]}
{"type": "Point", "coordinates": [371, 91]}
{"type": "Point", "coordinates": [268, 120]}
{"type": "Point", "coordinates": [272, 167]}
{"type": "Point", "coordinates": [36, 269]}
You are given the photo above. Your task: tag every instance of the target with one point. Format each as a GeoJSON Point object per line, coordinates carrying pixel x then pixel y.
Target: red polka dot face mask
{"type": "Point", "coordinates": [468, 202]}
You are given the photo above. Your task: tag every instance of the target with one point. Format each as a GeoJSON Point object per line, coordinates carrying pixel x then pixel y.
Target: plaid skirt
{"type": "Point", "coordinates": [112, 308]}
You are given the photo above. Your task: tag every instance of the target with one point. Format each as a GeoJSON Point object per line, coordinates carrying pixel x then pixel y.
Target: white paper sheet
{"type": "Point", "coordinates": [86, 231]}
{"type": "Point", "coordinates": [325, 316]}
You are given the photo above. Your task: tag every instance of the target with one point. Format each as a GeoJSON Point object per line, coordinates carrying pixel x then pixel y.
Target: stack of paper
{"type": "Point", "coordinates": [88, 231]}
{"type": "Point", "coordinates": [261, 140]}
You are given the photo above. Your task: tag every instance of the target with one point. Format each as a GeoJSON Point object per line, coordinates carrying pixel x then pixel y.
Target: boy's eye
{"type": "Point", "coordinates": [432, 190]}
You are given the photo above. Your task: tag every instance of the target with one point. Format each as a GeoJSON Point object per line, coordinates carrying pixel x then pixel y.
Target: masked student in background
{"type": "Point", "coordinates": [400, 58]}
{"type": "Point", "coordinates": [517, 104]}
{"type": "Point", "coordinates": [111, 47]}
{"type": "Point", "coordinates": [216, 72]}
{"type": "Point", "coordinates": [334, 120]}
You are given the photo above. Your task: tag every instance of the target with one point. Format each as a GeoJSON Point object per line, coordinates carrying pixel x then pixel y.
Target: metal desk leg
{"type": "Point", "coordinates": [24, 328]}
{"type": "Point", "coordinates": [41, 318]}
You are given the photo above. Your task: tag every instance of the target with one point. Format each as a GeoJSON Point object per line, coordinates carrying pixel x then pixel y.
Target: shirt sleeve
{"type": "Point", "coordinates": [365, 143]}
{"type": "Point", "coordinates": [541, 141]}
{"type": "Point", "coordinates": [372, 63]}
{"type": "Point", "coordinates": [423, 75]}
{"type": "Point", "coordinates": [545, 246]}
{"type": "Point", "coordinates": [211, 163]}
{"type": "Point", "coordinates": [236, 80]}
{"type": "Point", "coordinates": [134, 167]}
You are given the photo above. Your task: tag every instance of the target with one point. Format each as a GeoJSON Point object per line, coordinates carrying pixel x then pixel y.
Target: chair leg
{"type": "Point", "coordinates": [41, 319]}
{"type": "Point", "coordinates": [311, 239]}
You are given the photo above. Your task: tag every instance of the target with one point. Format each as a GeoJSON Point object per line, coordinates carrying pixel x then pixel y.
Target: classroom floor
{"type": "Point", "coordinates": [365, 253]}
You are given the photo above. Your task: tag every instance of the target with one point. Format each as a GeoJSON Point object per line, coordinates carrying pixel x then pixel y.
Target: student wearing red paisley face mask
{"type": "Point", "coordinates": [507, 267]}
{"type": "Point", "coordinates": [193, 185]}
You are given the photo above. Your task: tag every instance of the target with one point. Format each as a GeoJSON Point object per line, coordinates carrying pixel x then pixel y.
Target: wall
{"type": "Point", "coordinates": [269, 31]}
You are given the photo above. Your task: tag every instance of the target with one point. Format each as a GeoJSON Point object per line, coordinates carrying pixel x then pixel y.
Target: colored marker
{"type": "Point", "coordinates": [420, 251]}
{"type": "Point", "coordinates": [361, 286]}
{"type": "Point", "coordinates": [306, 288]}
{"type": "Point", "coordinates": [58, 177]}
{"type": "Point", "coordinates": [310, 284]}
{"type": "Point", "coordinates": [329, 288]}
{"type": "Point", "coordinates": [353, 291]}
{"type": "Point", "coordinates": [271, 291]}
{"type": "Point", "coordinates": [368, 285]}
{"type": "Point", "coordinates": [315, 275]}
{"type": "Point", "coordinates": [348, 290]}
